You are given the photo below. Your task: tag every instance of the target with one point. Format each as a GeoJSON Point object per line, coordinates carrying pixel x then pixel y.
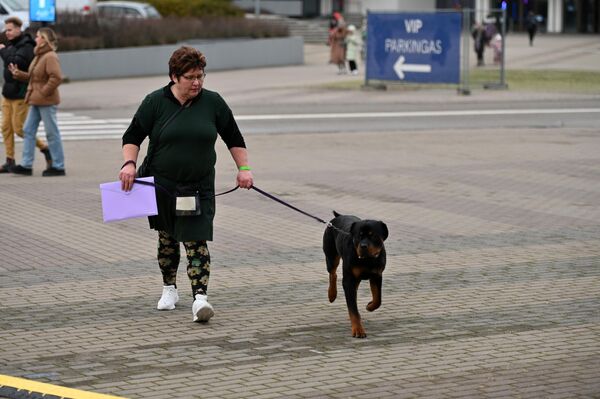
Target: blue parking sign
{"type": "Point", "coordinates": [414, 47]}
{"type": "Point", "coordinates": [42, 10]}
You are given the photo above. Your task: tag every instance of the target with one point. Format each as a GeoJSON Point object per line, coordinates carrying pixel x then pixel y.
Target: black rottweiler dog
{"type": "Point", "coordinates": [359, 244]}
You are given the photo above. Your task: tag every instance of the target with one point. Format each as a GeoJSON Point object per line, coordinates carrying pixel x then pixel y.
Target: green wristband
{"type": "Point", "coordinates": [245, 168]}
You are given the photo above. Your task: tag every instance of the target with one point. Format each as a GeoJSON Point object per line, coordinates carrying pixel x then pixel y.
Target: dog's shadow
{"type": "Point", "coordinates": [333, 334]}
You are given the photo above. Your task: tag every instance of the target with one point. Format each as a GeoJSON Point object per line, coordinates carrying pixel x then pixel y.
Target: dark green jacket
{"type": "Point", "coordinates": [183, 154]}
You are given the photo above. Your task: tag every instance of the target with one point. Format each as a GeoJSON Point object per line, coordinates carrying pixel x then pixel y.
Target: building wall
{"type": "Point", "coordinates": [559, 16]}
{"type": "Point", "coordinates": [361, 6]}
{"type": "Point", "coordinates": [397, 5]}
{"type": "Point", "coordinates": [291, 8]}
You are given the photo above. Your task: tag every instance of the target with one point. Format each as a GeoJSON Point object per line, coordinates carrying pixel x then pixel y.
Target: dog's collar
{"type": "Point", "coordinates": [330, 225]}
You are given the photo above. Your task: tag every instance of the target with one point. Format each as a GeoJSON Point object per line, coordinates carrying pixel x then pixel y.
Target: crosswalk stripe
{"type": "Point", "coordinates": [81, 127]}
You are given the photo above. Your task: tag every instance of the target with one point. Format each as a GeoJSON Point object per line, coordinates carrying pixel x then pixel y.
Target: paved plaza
{"type": "Point", "coordinates": [492, 285]}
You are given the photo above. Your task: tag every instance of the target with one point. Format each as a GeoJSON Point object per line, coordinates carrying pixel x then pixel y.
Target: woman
{"type": "Point", "coordinates": [44, 76]}
{"type": "Point", "coordinates": [337, 51]}
{"type": "Point", "coordinates": [182, 121]}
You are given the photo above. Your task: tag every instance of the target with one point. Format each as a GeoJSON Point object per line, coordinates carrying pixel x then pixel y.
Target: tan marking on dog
{"type": "Point", "coordinates": [332, 291]}
{"type": "Point", "coordinates": [376, 294]}
{"type": "Point", "coordinates": [358, 331]}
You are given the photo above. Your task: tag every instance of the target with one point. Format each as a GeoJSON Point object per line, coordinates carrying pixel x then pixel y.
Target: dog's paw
{"type": "Point", "coordinates": [332, 293]}
{"type": "Point", "coordinates": [371, 306]}
{"type": "Point", "coordinates": [358, 332]}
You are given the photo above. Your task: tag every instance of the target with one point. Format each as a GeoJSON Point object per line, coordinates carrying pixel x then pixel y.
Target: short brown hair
{"type": "Point", "coordinates": [184, 59]}
{"type": "Point", "coordinates": [16, 21]}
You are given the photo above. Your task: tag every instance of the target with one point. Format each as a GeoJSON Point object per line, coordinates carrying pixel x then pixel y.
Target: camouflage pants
{"type": "Point", "coordinates": [198, 268]}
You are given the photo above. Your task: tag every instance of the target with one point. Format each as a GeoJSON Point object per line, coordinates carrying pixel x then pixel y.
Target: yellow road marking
{"type": "Point", "coordinates": [49, 389]}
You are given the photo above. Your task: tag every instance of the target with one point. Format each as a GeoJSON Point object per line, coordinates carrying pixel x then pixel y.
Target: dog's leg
{"type": "Point", "coordinates": [332, 291]}
{"type": "Point", "coordinates": [351, 289]}
{"type": "Point", "coordinates": [375, 282]}
{"type": "Point", "coordinates": [332, 259]}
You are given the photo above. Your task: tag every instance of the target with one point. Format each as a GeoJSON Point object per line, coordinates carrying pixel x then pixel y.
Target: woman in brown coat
{"type": "Point", "coordinates": [44, 77]}
{"type": "Point", "coordinates": [337, 39]}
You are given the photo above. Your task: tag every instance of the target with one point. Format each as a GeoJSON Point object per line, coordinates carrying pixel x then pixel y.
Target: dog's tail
{"type": "Point", "coordinates": [335, 214]}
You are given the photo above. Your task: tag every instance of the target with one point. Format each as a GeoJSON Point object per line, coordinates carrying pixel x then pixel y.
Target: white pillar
{"type": "Point", "coordinates": [326, 7]}
{"type": "Point", "coordinates": [555, 16]}
{"type": "Point", "coordinates": [482, 9]}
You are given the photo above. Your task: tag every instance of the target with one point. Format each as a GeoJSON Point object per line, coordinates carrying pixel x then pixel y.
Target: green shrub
{"type": "Point", "coordinates": [77, 32]}
{"type": "Point", "coordinates": [196, 8]}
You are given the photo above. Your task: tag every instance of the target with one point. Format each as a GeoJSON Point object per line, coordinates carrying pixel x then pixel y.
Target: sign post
{"type": "Point", "coordinates": [414, 47]}
{"type": "Point", "coordinates": [43, 11]}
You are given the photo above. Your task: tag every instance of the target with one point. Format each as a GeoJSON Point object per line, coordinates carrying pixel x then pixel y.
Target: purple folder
{"type": "Point", "coordinates": [120, 205]}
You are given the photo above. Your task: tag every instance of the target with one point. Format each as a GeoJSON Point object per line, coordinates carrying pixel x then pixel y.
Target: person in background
{"type": "Point", "coordinates": [18, 51]}
{"type": "Point", "coordinates": [336, 20]}
{"type": "Point", "coordinates": [479, 42]}
{"type": "Point", "coordinates": [496, 44]}
{"type": "Point", "coordinates": [353, 46]}
{"type": "Point", "coordinates": [337, 52]}
{"type": "Point", "coordinates": [532, 26]}
{"type": "Point", "coordinates": [44, 77]}
{"type": "Point", "coordinates": [182, 121]}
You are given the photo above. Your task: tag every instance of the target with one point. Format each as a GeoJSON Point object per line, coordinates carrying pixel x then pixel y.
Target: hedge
{"type": "Point", "coordinates": [78, 32]}
{"type": "Point", "coordinates": [196, 8]}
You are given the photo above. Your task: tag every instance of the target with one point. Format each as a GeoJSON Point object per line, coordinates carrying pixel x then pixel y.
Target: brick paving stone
{"type": "Point", "coordinates": [492, 287]}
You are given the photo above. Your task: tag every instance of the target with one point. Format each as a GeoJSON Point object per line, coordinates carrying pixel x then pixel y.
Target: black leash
{"type": "Point", "coordinates": [266, 194]}
{"type": "Point", "coordinates": [282, 202]}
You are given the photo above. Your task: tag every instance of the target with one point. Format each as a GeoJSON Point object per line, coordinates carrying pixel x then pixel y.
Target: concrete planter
{"type": "Point", "coordinates": [153, 60]}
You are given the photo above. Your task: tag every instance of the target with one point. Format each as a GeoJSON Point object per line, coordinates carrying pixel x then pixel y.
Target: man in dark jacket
{"type": "Point", "coordinates": [531, 26]}
{"type": "Point", "coordinates": [18, 51]}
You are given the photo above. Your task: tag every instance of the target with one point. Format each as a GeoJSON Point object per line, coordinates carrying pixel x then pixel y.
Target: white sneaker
{"type": "Point", "coordinates": [168, 299]}
{"type": "Point", "coordinates": [201, 309]}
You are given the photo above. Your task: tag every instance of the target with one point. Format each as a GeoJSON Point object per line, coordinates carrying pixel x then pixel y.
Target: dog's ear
{"type": "Point", "coordinates": [354, 229]}
{"type": "Point", "coordinates": [383, 230]}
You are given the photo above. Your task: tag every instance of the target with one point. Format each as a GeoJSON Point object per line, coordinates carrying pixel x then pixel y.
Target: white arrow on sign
{"type": "Point", "coordinates": [400, 67]}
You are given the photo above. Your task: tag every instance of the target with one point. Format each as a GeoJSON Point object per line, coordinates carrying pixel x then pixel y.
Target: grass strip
{"type": "Point", "coordinates": [585, 82]}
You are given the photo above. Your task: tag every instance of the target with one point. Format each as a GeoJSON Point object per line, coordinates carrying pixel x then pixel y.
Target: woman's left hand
{"type": "Point", "coordinates": [244, 179]}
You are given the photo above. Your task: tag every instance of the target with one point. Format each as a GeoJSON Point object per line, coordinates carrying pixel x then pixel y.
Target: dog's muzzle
{"type": "Point", "coordinates": [364, 251]}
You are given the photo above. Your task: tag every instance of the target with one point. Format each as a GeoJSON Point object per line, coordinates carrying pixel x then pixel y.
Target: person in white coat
{"type": "Point", "coordinates": [353, 49]}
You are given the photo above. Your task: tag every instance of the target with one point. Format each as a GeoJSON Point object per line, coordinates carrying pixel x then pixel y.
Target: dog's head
{"type": "Point", "coordinates": [368, 237]}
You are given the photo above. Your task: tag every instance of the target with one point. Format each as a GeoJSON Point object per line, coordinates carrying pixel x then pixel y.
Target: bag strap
{"type": "Point", "coordinates": [162, 128]}
{"type": "Point", "coordinates": [147, 183]}
{"type": "Point", "coordinates": [170, 194]}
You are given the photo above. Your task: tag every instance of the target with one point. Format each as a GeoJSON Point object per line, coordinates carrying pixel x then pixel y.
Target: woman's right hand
{"type": "Point", "coordinates": [127, 175]}
{"type": "Point", "coordinates": [13, 68]}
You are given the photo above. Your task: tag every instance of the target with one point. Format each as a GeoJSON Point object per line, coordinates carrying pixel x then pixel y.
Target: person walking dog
{"type": "Point", "coordinates": [182, 121]}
